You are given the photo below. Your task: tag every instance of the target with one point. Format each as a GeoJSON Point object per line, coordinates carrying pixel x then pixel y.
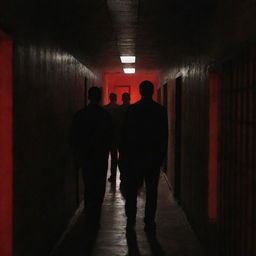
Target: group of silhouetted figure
{"type": "Point", "coordinates": [136, 137]}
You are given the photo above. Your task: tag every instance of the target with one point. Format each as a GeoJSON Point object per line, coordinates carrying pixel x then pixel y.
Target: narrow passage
{"type": "Point", "coordinates": [174, 235]}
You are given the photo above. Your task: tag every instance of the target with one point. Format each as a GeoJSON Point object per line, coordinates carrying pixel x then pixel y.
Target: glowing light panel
{"type": "Point", "coordinates": [129, 70]}
{"type": "Point", "coordinates": [127, 59]}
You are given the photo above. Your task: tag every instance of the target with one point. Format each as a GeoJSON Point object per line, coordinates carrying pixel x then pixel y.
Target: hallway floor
{"type": "Point", "coordinates": [174, 235]}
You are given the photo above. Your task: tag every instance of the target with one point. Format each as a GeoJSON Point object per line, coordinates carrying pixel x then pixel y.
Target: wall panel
{"type": "Point", "coordinates": [237, 194]}
{"type": "Point", "coordinates": [194, 139]}
{"type": "Point", "coordinates": [6, 156]}
{"type": "Point", "coordinates": [48, 90]}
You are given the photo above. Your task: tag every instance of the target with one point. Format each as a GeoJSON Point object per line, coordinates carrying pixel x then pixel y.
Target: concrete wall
{"type": "Point", "coordinates": [48, 89]}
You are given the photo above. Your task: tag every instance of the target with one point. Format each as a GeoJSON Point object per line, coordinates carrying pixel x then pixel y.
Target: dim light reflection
{"type": "Point", "coordinates": [129, 70]}
{"type": "Point", "coordinates": [128, 59]}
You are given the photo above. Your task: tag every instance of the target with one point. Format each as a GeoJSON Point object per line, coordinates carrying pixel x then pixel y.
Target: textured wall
{"type": "Point", "coordinates": [48, 89]}
{"type": "Point", "coordinates": [237, 162]}
{"type": "Point", "coordinates": [194, 139]}
{"type": "Point", "coordinates": [194, 155]}
{"type": "Point", "coordinates": [232, 29]}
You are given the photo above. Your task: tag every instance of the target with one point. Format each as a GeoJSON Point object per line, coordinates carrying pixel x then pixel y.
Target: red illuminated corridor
{"type": "Point", "coordinates": [200, 57]}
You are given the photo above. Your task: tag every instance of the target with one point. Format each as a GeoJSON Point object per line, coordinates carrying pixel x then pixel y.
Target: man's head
{"type": "Point", "coordinates": [112, 97]}
{"type": "Point", "coordinates": [146, 89]}
{"type": "Point", "coordinates": [94, 94]}
{"type": "Point", "coordinates": [126, 98]}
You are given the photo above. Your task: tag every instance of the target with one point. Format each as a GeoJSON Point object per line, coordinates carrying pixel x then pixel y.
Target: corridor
{"type": "Point", "coordinates": [174, 234]}
{"type": "Point", "coordinates": [199, 58]}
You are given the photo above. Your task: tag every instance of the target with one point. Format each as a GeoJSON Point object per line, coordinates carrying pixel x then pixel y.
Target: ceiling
{"type": "Point", "coordinates": [98, 31]}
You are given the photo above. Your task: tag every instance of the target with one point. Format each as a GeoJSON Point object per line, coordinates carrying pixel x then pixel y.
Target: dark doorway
{"type": "Point", "coordinates": [178, 134]}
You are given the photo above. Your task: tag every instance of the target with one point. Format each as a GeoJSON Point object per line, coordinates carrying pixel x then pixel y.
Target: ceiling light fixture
{"type": "Point", "coordinates": [128, 59]}
{"type": "Point", "coordinates": [129, 70]}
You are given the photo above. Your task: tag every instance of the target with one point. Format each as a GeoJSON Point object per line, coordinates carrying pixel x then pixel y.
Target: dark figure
{"type": "Point", "coordinates": [144, 145]}
{"type": "Point", "coordinates": [123, 108]}
{"type": "Point", "coordinates": [126, 102]}
{"type": "Point", "coordinates": [91, 137]}
{"type": "Point", "coordinates": [132, 243]}
{"type": "Point", "coordinates": [112, 109]}
{"type": "Point", "coordinates": [121, 117]}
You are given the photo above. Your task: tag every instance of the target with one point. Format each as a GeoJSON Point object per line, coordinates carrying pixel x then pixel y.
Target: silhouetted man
{"type": "Point", "coordinates": [112, 109]}
{"type": "Point", "coordinates": [121, 117]}
{"type": "Point", "coordinates": [144, 145]}
{"type": "Point", "coordinates": [123, 108]}
{"type": "Point", "coordinates": [91, 137]}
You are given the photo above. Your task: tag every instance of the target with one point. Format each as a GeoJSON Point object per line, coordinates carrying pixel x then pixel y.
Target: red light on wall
{"type": "Point", "coordinates": [6, 163]}
{"type": "Point", "coordinates": [213, 148]}
{"type": "Point", "coordinates": [133, 81]}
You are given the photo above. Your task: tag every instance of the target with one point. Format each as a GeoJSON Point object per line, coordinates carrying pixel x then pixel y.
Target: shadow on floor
{"type": "Point", "coordinates": [133, 248]}
{"type": "Point", "coordinates": [80, 241]}
{"type": "Point", "coordinates": [155, 246]}
{"type": "Point", "coordinates": [132, 243]}
{"type": "Point", "coordinates": [173, 232]}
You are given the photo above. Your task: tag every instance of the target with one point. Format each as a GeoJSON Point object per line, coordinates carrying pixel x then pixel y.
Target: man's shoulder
{"type": "Point", "coordinates": [104, 111]}
{"type": "Point", "coordinates": [159, 106]}
{"type": "Point", "coordinates": [91, 109]}
{"type": "Point", "coordinates": [101, 113]}
{"type": "Point", "coordinates": [123, 108]}
{"type": "Point", "coordinates": [80, 112]}
{"type": "Point", "coordinates": [110, 105]}
{"type": "Point", "coordinates": [141, 104]}
{"type": "Point", "coordinates": [133, 107]}
{"type": "Point", "coordinates": [100, 110]}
